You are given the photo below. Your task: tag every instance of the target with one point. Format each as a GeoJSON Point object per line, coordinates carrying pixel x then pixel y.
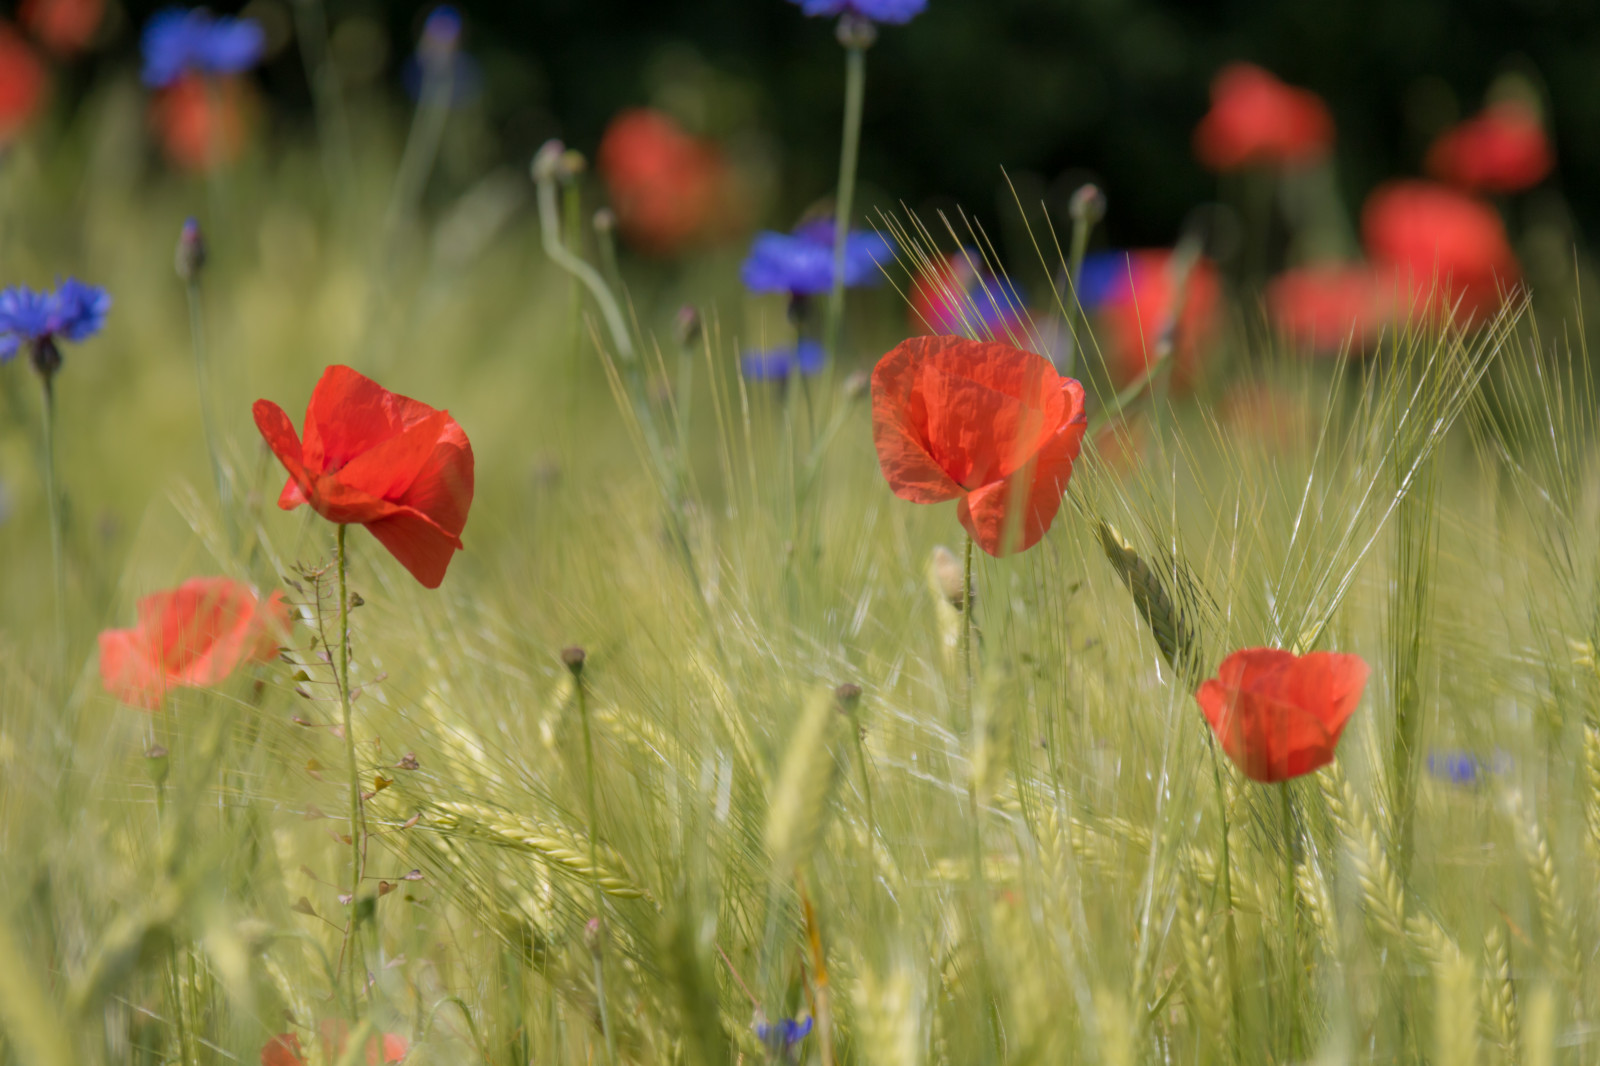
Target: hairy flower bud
{"type": "Point", "coordinates": [190, 257]}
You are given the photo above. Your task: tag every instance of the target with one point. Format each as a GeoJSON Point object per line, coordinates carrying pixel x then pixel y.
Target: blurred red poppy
{"type": "Point", "coordinates": [1278, 715]}
{"type": "Point", "coordinates": [1502, 150]}
{"type": "Point", "coordinates": [1448, 251]}
{"type": "Point", "coordinates": [201, 121]}
{"type": "Point", "coordinates": [1257, 120]}
{"type": "Point", "coordinates": [1139, 307]}
{"type": "Point", "coordinates": [387, 462]}
{"type": "Point", "coordinates": [953, 296]}
{"type": "Point", "coordinates": [192, 636]}
{"type": "Point", "coordinates": [979, 421]}
{"type": "Point", "coordinates": [63, 26]}
{"type": "Point", "coordinates": [284, 1049]}
{"type": "Point", "coordinates": [666, 186]}
{"type": "Point", "coordinates": [1332, 309]}
{"type": "Point", "coordinates": [23, 83]}
{"type": "Point", "coordinates": [1270, 415]}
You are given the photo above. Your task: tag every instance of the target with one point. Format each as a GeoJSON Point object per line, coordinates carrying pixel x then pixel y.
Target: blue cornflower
{"type": "Point", "coordinates": [776, 364]}
{"type": "Point", "coordinates": [1464, 768]}
{"type": "Point", "coordinates": [1103, 276]}
{"type": "Point", "coordinates": [801, 263]}
{"type": "Point", "coordinates": [897, 12]}
{"type": "Point", "coordinates": [177, 41]}
{"type": "Point", "coordinates": [960, 294]}
{"type": "Point", "coordinates": [438, 54]}
{"type": "Point", "coordinates": [784, 1034]}
{"type": "Point", "coordinates": [73, 312]}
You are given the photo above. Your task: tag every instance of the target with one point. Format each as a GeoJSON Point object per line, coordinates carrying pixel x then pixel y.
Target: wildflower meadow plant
{"type": "Point", "coordinates": [192, 636]}
{"type": "Point", "coordinates": [24, 84]}
{"type": "Point", "coordinates": [40, 322]}
{"type": "Point", "coordinates": [192, 60]}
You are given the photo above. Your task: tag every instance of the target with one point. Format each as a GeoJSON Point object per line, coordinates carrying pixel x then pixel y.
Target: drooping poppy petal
{"type": "Point", "coordinates": [980, 420]}
{"type": "Point", "coordinates": [375, 458]}
{"type": "Point", "coordinates": [193, 636]}
{"type": "Point", "coordinates": [1278, 715]}
{"type": "Point", "coordinates": [1502, 150]}
{"type": "Point", "coordinates": [1257, 120]}
{"type": "Point", "coordinates": [283, 1050]}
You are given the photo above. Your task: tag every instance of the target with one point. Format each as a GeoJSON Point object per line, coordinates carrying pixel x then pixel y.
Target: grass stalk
{"type": "Point", "coordinates": [856, 41]}
{"type": "Point", "coordinates": [574, 659]}
{"type": "Point", "coordinates": [52, 494]}
{"type": "Point", "coordinates": [352, 938]}
{"type": "Point", "coordinates": [197, 345]}
{"type": "Point", "coordinates": [1291, 920]}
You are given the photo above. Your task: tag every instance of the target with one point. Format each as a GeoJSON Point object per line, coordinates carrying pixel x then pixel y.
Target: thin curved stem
{"type": "Point", "coordinates": [197, 343]}
{"type": "Point", "coordinates": [594, 865]}
{"type": "Point", "coordinates": [357, 819]}
{"type": "Point", "coordinates": [57, 547]}
{"type": "Point", "coordinates": [855, 87]}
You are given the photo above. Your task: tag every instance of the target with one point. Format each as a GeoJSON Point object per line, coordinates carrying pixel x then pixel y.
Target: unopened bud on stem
{"type": "Point", "coordinates": [1088, 205]}
{"type": "Point", "coordinates": [855, 31]}
{"type": "Point", "coordinates": [190, 257]}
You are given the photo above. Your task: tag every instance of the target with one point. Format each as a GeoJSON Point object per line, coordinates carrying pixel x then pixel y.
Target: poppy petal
{"type": "Point", "coordinates": [911, 471]}
{"type": "Point", "coordinates": [990, 514]}
{"type": "Point", "coordinates": [126, 672]}
{"type": "Point", "coordinates": [418, 543]}
{"type": "Point", "coordinates": [280, 436]}
{"type": "Point", "coordinates": [349, 414]}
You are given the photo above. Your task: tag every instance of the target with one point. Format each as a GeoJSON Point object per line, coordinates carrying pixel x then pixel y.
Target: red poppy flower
{"type": "Point", "coordinates": [979, 421]}
{"type": "Point", "coordinates": [666, 186]}
{"type": "Point", "coordinates": [1502, 150]}
{"type": "Point", "coordinates": [22, 83]}
{"type": "Point", "coordinates": [1449, 251]}
{"type": "Point", "coordinates": [284, 1049]}
{"type": "Point", "coordinates": [192, 636]}
{"type": "Point", "coordinates": [1278, 715]}
{"type": "Point", "coordinates": [1330, 308]}
{"type": "Point", "coordinates": [387, 462]}
{"type": "Point", "coordinates": [64, 26]}
{"type": "Point", "coordinates": [1257, 120]}
{"type": "Point", "coordinates": [1140, 305]}
{"type": "Point", "coordinates": [201, 121]}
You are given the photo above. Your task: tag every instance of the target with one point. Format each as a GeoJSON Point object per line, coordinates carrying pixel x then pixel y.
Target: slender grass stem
{"type": "Point", "coordinates": [855, 87]}
{"type": "Point", "coordinates": [966, 619]}
{"type": "Point", "coordinates": [1088, 205]}
{"type": "Point", "coordinates": [57, 546]}
{"type": "Point", "coordinates": [357, 819]}
{"type": "Point", "coordinates": [1291, 920]}
{"type": "Point", "coordinates": [202, 379]}
{"type": "Point", "coordinates": [1230, 935]}
{"type": "Point", "coordinates": [575, 661]}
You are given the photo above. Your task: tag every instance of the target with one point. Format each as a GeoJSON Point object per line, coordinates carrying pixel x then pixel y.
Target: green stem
{"type": "Point", "coordinates": [1230, 941]}
{"type": "Point", "coordinates": [855, 86]}
{"type": "Point", "coordinates": [1291, 919]}
{"type": "Point", "coordinates": [1081, 227]}
{"type": "Point", "coordinates": [57, 546]}
{"type": "Point", "coordinates": [357, 820]}
{"type": "Point", "coordinates": [966, 619]}
{"type": "Point", "coordinates": [197, 342]}
{"type": "Point", "coordinates": [594, 868]}
{"type": "Point", "coordinates": [311, 31]}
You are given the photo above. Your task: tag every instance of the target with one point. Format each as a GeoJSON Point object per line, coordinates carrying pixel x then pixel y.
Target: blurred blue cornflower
{"type": "Point", "coordinates": [804, 357]}
{"type": "Point", "coordinates": [177, 41]}
{"type": "Point", "coordinates": [438, 53]}
{"type": "Point", "coordinates": [801, 263]}
{"type": "Point", "coordinates": [960, 294]}
{"type": "Point", "coordinates": [784, 1034]}
{"type": "Point", "coordinates": [73, 312]}
{"type": "Point", "coordinates": [1103, 276]}
{"type": "Point", "coordinates": [896, 12]}
{"type": "Point", "coordinates": [1464, 768]}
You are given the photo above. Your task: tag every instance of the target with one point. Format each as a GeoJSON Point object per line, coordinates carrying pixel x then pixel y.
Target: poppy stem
{"type": "Point", "coordinates": [855, 86]}
{"type": "Point", "coordinates": [1230, 941]}
{"type": "Point", "coordinates": [1291, 920]}
{"type": "Point", "coordinates": [197, 343]}
{"type": "Point", "coordinates": [357, 821]}
{"type": "Point", "coordinates": [966, 618]}
{"type": "Point", "coordinates": [57, 547]}
{"type": "Point", "coordinates": [574, 659]}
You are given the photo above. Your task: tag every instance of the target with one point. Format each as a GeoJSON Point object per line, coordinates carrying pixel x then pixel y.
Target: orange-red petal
{"type": "Point", "coordinates": [1032, 495]}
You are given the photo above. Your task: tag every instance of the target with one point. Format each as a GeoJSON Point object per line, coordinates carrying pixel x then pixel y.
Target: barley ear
{"type": "Point", "coordinates": [805, 778]}
{"type": "Point", "coordinates": [1164, 600]}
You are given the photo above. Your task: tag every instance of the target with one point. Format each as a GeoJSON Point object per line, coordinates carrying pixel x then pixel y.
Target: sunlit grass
{"type": "Point", "coordinates": [1023, 870]}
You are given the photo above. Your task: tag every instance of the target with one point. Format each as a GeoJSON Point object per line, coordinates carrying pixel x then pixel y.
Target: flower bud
{"type": "Point", "coordinates": [190, 257]}
{"type": "Point", "coordinates": [945, 569]}
{"type": "Point", "coordinates": [573, 164]}
{"type": "Point", "coordinates": [855, 31]}
{"type": "Point", "coordinates": [1088, 205]}
{"type": "Point", "coordinates": [605, 221]}
{"type": "Point", "coordinates": [574, 658]}
{"type": "Point", "coordinates": [688, 325]}
{"type": "Point", "coordinates": [547, 161]}
{"type": "Point", "coordinates": [849, 697]}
